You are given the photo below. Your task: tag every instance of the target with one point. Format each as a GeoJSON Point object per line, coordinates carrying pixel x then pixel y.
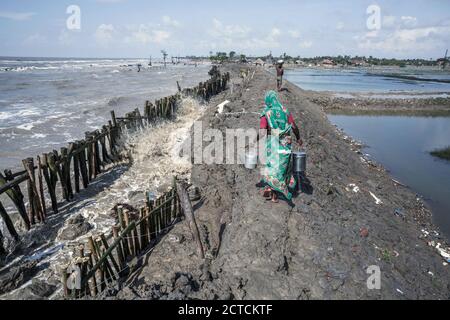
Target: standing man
{"type": "Point", "coordinates": [280, 74]}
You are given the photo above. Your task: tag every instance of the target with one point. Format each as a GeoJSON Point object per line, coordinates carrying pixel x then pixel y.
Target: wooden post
{"type": "Point", "coordinates": [33, 194]}
{"type": "Point", "coordinates": [50, 185]}
{"type": "Point", "coordinates": [96, 151]}
{"type": "Point", "coordinates": [53, 168]}
{"type": "Point", "coordinates": [143, 229]}
{"type": "Point", "coordinates": [120, 256]}
{"type": "Point", "coordinates": [130, 240]}
{"type": "Point", "coordinates": [65, 169]}
{"type": "Point", "coordinates": [111, 257]}
{"type": "Point", "coordinates": [16, 197]}
{"type": "Point", "coordinates": [113, 117]}
{"type": "Point", "coordinates": [92, 282]}
{"type": "Point", "coordinates": [41, 189]}
{"type": "Point", "coordinates": [96, 258]}
{"type": "Point", "coordinates": [190, 218]}
{"type": "Point", "coordinates": [82, 163]}
{"type": "Point", "coordinates": [76, 165]}
{"type": "Point", "coordinates": [90, 161]}
{"type": "Point", "coordinates": [8, 223]}
{"type": "Point", "coordinates": [106, 266]}
{"type": "Point", "coordinates": [123, 226]}
{"type": "Point", "coordinates": [179, 87]}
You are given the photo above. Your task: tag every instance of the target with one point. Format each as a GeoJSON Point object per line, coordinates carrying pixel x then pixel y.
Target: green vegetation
{"type": "Point", "coordinates": [442, 153]}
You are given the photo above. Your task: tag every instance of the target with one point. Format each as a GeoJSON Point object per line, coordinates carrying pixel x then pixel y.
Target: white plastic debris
{"type": "Point", "coordinates": [400, 291]}
{"type": "Point", "coordinates": [353, 187]}
{"type": "Point", "coordinates": [221, 106]}
{"type": "Point", "coordinates": [377, 200]}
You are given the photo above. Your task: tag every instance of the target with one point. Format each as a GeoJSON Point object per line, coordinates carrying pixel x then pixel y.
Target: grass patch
{"type": "Point", "coordinates": [442, 153]}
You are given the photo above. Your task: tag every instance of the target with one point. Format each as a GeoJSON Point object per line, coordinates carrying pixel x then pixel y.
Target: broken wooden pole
{"type": "Point", "coordinates": [8, 223]}
{"type": "Point", "coordinates": [190, 218]}
{"type": "Point", "coordinates": [16, 197]}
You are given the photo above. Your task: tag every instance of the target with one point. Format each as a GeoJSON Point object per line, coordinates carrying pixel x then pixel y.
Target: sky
{"type": "Point", "coordinates": [140, 28]}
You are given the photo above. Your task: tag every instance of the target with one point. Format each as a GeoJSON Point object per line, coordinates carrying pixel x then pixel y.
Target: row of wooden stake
{"type": "Point", "coordinates": [82, 161]}
{"type": "Point", "coordinates": [99, 262]}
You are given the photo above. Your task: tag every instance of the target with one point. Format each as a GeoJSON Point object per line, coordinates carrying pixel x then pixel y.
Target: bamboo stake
{"type": "Point", "coordinates": [17, 198]}
{"type": "Point", "coordinates": [126, 217]}
{"type": "Point", "coordinates": [50, 185]}
{"type": "Point", "coordinates": [41, 190]}
{"type": "Point", "coordinates": [190, 218]}
{"type": "Point", "coordinates": [120, 256]}
{"type": "Point", "coordinates": [8, 223]}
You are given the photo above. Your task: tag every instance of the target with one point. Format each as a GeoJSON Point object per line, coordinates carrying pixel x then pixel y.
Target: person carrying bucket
{"type": "Point", "coordinates": [280, 74]}
{"type": "Point", "coordinates": [279, 124]}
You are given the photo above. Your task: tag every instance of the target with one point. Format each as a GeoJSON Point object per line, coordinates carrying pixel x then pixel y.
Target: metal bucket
{"type": "Point", "coordinates": [251, 161]}
{"type": "Point", "coordinates": [299, 162]}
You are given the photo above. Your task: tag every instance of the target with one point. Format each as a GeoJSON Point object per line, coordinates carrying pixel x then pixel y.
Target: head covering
{"type": "Point", "coordinates": [272, 100]}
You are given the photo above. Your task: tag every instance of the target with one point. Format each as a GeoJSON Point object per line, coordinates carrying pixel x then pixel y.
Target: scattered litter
{"type": "Point", "coordinates": [364, 232]}
{"type": "Point", "coordinates": [425, 233]}
{"type": "Point", "coordinates": [431, 273]}
{"type": "Point", "coordinates": [353, 187]}
{"type": "Point", "coordinates": [396, 254]}
{"type": "Point", "coordinates": [400, 291]}
{"type": "Point", "coordinates": [377, 201]}
{"type": "Point", "coordinates": [444, 253]}
{"type": "Point", "coordinates": [444, 264]}
{"type": "Point", "coordinates": [221, 106]}
{"type": "Point", "coordinates": [399, 213]}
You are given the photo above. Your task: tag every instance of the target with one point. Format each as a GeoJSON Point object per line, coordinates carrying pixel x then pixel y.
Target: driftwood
{"type": "Point", "coordinates": [190, 218]}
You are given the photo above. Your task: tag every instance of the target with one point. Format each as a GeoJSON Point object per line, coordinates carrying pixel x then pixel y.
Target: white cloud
{"type": "Point", "coordinates": [17, 16]}
{"type": "Point", "coordinates": [389, 21]}
{"type": "Point", "coordinates": [408, 41]}
{"type": "Point", "coordinates": [340, 26]}
{"type": "Point", "coordinates": [145, 34]}
{"type": "Point", "coordinates": [306, 44]}
{"type": "Point", "coordinates": [168, 21]}
{"type": "Point", "coordinates": [294, 34]}
{"type": "Point", "coordinates": [409, 21]}
{"type": "Point", "coordinates": [219, 30]}
{"type": "Point", "coordinates": [65, 38]}
{"type": "Point", "coordinates": [35, 39]}
{"type": "Point", "coordinates": [104, 34]}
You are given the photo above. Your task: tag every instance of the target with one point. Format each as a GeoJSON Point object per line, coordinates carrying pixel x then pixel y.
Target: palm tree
{"type": "Point", "coordinates": [164, 53]}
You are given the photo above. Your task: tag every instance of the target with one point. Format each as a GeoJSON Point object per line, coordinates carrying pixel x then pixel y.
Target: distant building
{"type": "Point", "coordinates": [260, 62]}
{"type": "Point", "coordinates": [327, 62]}
{"type": "Point", "coordinates": [358, 62]}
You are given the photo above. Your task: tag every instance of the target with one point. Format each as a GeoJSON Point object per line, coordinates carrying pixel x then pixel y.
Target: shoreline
{"type": "Point", "coordinates": [316, 250]}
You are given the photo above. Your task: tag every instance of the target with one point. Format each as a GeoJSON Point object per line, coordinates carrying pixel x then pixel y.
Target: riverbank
{"type": "Point", "coordinates": [442, 153]}
{"type": "Point", "coordinates": [351, 215]}
{"type": "Point", "coordinates": [388, 104]}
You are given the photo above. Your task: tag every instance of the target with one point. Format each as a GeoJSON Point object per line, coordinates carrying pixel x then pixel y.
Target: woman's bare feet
{"type": "Point", "coordinates": [274, 197]}
{"type": "Point", "coordinates": [267, 192]}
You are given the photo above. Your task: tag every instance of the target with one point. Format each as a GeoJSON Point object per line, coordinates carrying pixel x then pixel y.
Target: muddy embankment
{"type": "Point", "coordinates": [349, 216]}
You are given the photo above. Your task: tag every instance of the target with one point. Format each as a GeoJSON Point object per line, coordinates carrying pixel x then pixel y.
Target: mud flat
{"type": "Point", "coordinates": [351, 215]}
{"type": "Point", "coordinates": [387, 104]}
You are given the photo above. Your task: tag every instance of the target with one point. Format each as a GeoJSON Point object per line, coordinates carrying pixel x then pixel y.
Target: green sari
{"type": "Point", "coordinates": [278, 169]}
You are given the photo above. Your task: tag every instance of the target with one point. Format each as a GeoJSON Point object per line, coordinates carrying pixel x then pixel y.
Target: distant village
{"type": "Point", "coordinates": [328, 61]}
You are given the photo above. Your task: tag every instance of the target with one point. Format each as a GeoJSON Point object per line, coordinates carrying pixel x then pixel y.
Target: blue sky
{"type": "Point", "coordinates": [139, 28]}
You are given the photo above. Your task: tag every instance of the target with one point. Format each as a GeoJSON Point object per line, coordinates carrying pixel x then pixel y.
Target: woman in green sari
{"type": "Point", "coordinates": [280, 125]}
